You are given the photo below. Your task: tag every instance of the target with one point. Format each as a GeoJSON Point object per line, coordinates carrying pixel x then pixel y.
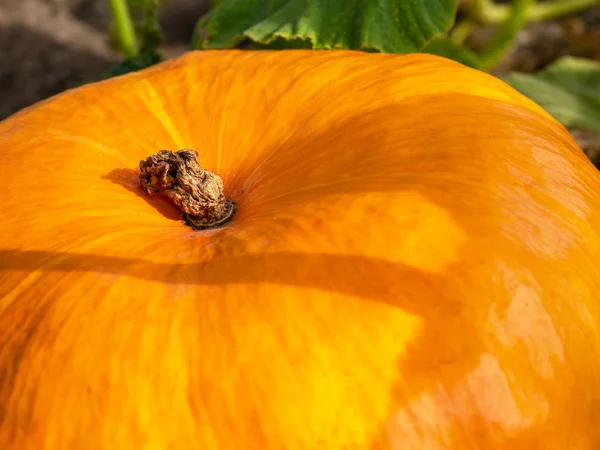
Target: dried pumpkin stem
{"type": "Point", "coordinates": [197, 192]}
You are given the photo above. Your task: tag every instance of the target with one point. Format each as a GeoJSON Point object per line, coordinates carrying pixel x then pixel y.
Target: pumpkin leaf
{"type": "Point", "coordinates": [449, 49]}
{"type": "Point", "coordinates": [568, 89]}
{"type": "Point", "coordinates": [280, 44]}
{"type": "Point", "coordinates": [134, 64]}
{"type": "Point", "coordinates": [393, 26]}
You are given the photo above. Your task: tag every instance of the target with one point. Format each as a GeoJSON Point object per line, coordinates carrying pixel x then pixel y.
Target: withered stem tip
{"type": "Point", "coordinates": [197, 192]}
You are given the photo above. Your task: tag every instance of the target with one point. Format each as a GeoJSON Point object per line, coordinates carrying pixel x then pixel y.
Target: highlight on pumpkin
{"type": "Point", "coordinates": [377, 252]}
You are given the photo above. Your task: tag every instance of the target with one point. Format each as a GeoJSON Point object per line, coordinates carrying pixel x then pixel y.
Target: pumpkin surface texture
{"type": "Point", "coordinates": [412, 264]}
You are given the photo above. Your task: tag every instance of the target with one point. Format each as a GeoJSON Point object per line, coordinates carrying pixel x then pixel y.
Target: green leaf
{"type": "Point", "coordinates": [138, 62]}
{"type": "Point", "coordinates": [393, 26]}
{"type": "Point", "coordinates": [448, 49]}
{"type": "Point", "coordinates": [569, 89]}
{"type": "Point", "coordinates": [280, 44]}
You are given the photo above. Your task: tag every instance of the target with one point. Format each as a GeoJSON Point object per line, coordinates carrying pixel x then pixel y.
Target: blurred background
{"type": "Point", "coordinates": [47, 46]}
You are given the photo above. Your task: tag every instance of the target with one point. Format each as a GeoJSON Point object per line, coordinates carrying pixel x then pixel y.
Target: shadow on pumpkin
{"type": "Point", "coordinates": [453, 163]}
{"type": "Point", "coordinates": [451, 342]}
{"type": "Point", "coordinates": [128, 179]}
{"type": "Point", "coordinates": [448, 338]}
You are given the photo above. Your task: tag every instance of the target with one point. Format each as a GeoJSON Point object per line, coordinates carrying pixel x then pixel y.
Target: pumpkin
{"type": "Point", "coordinates": [401, 254]}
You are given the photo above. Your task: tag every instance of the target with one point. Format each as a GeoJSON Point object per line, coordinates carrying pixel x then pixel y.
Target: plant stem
{"type": "Point", "coordinates": [488, 12]}
{"type": "Point", "coordinates": [461, 31]}
{"type": "Point", "coordinates": [557, 8]}
{"type": "Point", "coordinates": [124, 27]}
{"type": "Point", "coordinates": [501, 43]}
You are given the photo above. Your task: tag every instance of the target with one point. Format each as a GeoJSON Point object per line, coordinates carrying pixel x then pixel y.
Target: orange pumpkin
{"type": "Point", "coordinates": [412, 265]}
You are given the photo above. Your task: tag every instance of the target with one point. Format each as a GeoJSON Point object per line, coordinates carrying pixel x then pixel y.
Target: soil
{"type": "Point", "coordinates": [47, 46]}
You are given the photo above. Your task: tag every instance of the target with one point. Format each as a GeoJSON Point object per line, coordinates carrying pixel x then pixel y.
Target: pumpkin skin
{"type": "Point", "coordinates": [412, 264]}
